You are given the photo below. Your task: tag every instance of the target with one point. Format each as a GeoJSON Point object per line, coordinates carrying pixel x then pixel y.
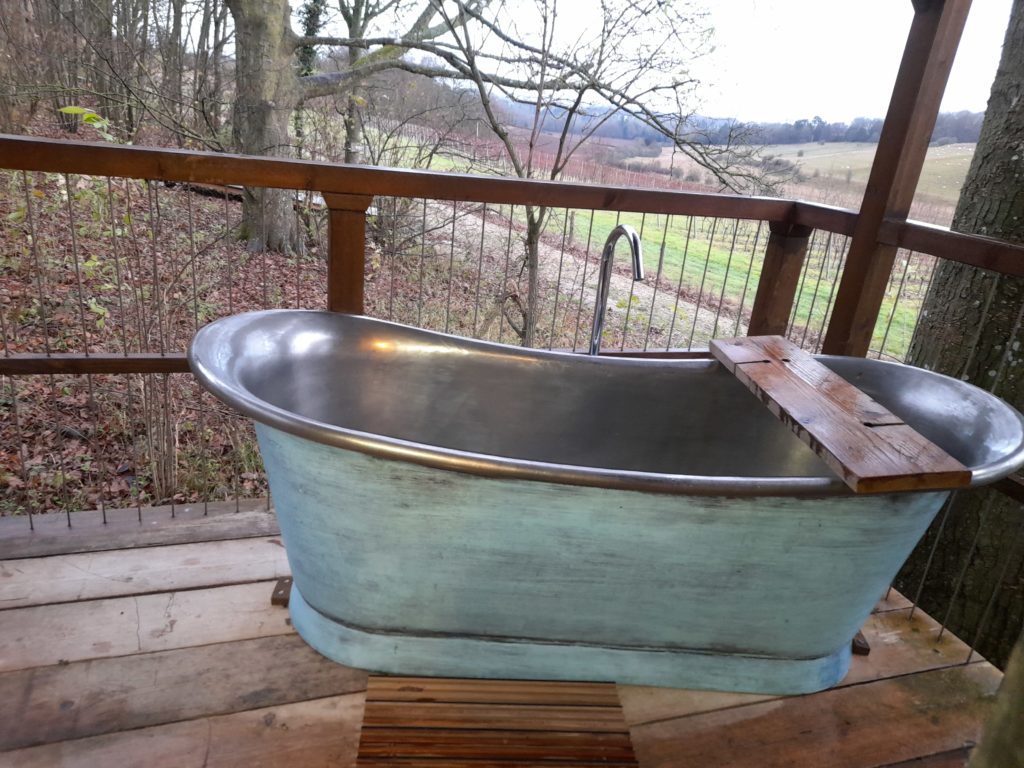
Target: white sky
{"type": "Point", "coordinates": [782, 60]}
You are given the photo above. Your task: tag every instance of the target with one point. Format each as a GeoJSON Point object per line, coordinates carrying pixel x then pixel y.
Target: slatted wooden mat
{"type": "Point", "coordinates": [445, 723]}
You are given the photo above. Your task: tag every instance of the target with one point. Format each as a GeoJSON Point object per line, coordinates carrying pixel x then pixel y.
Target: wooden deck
{"type": "Point", "coordinates": [156, 644]}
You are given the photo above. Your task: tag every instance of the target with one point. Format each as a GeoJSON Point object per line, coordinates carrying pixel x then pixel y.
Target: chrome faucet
{"type": "Point", "coordinates": [605, 275]}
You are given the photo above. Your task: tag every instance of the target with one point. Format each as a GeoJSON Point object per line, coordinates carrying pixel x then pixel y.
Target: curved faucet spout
{"type": "Point", "coordinates": [604, 277]}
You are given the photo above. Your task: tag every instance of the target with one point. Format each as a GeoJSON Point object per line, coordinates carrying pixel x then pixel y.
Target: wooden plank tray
{"type": "Point", "coordinates": [870, 448]}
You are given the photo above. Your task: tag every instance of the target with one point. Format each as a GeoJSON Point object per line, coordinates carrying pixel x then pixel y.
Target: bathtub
{"type": "Point", "coordinates": [459, 508]}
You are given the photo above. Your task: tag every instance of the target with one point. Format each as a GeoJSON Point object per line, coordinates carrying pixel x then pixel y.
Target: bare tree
{"type": "Point", "coordinates": [409, 121]}
{"type": "Point", "coordinates": [161, 62]}
{"type": "Point", "coordinates": [269, 87]}
{"type": "Point", "coordinates": [632, 63]}
{"type": "Point", "coordinates": [133, 61]}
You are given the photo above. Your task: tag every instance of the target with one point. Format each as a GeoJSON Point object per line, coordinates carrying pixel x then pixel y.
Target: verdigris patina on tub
{"type": "Point", "coordinates": [460, 508]}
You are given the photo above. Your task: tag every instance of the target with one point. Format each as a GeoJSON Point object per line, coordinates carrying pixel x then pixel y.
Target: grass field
{"type": "Point", "coordinates": [944, 169]}
{"type": "Point", "coordinates": [722, 261]}
{"type": "Point", "coordinates": [836, 174]}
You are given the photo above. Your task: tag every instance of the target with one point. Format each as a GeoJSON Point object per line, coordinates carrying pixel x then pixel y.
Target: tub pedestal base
{"type": "Point", "coordinates": [465, 656]}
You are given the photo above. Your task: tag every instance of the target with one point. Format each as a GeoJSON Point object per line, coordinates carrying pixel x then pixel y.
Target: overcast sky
{"type": "Point", "coordinates": [782, 60]}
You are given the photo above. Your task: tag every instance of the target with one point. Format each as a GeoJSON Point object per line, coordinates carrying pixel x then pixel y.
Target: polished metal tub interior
{"type": "Point", "coordinates": [461, 508]}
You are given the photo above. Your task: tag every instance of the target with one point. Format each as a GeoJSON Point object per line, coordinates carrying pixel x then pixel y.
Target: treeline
{"type": "Point", "coordinates": [950, 127]}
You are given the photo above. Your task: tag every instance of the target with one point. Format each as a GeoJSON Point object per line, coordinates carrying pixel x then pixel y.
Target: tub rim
{"type": "Point", "coordinates": [264, 412]}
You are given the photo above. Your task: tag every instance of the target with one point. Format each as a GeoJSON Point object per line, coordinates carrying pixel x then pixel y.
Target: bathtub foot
{"type": "Point", "coordinates": [860, 645]}
{"type": "Point", "coordinates": [465, 656]}
{"type": "Point", "coordinates": [282, 592]}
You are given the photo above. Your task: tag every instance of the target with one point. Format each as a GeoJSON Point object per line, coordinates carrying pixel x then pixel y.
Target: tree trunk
{"type": "Point", "coordinates": [16, 50]}
{"type": "Point", "coordinates": [172, 81]}
{"type": "Point", "coordinates": [357, 21]}
{"type": "Point", "coordinates": [353, 125]}
{"type": "Point", "coordinates": [267, 91]}
{"type": "Point", "coordinates": [221, 36]}
{"type": "Point", "coordinates": [1002, 743]}
{"type": "Point", "coordinates": [535, 218]}
{"type": "Point", "coordinates": [970, 329]}
{"type": "Point", "coordinates": [311, 15]}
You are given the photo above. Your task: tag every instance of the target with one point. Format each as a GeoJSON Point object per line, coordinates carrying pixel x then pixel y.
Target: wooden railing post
{"type": "Point", "coordinates": [346, 257]}
{"type": "Point", "coordinates": [780, 274]}
{"type": "Point", "coordinates": [924, 70]}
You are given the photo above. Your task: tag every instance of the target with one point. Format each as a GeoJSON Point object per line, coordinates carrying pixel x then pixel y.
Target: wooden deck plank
{"type": "Point", "coordinates": [52, 634]}
{"type": "Point", "coordinates": [899, 646]}
{"type": "Point", "coordinates": [858, 726]}
{"type": "Point", "coordinates": [510, 717]}
{"type": "Point", "coordinates": [956, 758]}
{"type": "Point", "coordinates": [456, 744]}
{"type": "Point", "coordinates": [195, 669]}
{"type": "Point", "coordinates": [644, 704]}
{"type": "Point", "coordinates": [423, 689]}
{"type": "Point", "coordinates": [89, 698]}
{"type": "Point", "coordinates": [322, 733]}
{"type": "Point", "coordinates": [88, 532]}
{"type": "Point", "coordinates": [893, 600]}
{"type": "Point", "coordinates": [95, 575]}
{"type": "Point", "coordinates": [870, 448]}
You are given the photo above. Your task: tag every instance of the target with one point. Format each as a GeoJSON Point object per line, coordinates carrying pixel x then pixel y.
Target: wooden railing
{"type": "Point", "coordinates": [349, 190]}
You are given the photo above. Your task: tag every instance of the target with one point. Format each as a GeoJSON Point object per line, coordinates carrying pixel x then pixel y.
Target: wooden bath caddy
{"type": "Point", "coordinates": [870, 448]}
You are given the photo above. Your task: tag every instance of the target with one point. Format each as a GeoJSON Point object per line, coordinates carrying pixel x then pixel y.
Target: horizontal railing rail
{"type": "Point", "coordinates": [99, 159]}
{"type": "Point", "coordinates": [975, 250]}
{"type": "Point", "coordinates": [29, 363]}
{"type": "Point", "coordinates": [348, 191]}
{"type": "Point", "coordinates": [93, 158]}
